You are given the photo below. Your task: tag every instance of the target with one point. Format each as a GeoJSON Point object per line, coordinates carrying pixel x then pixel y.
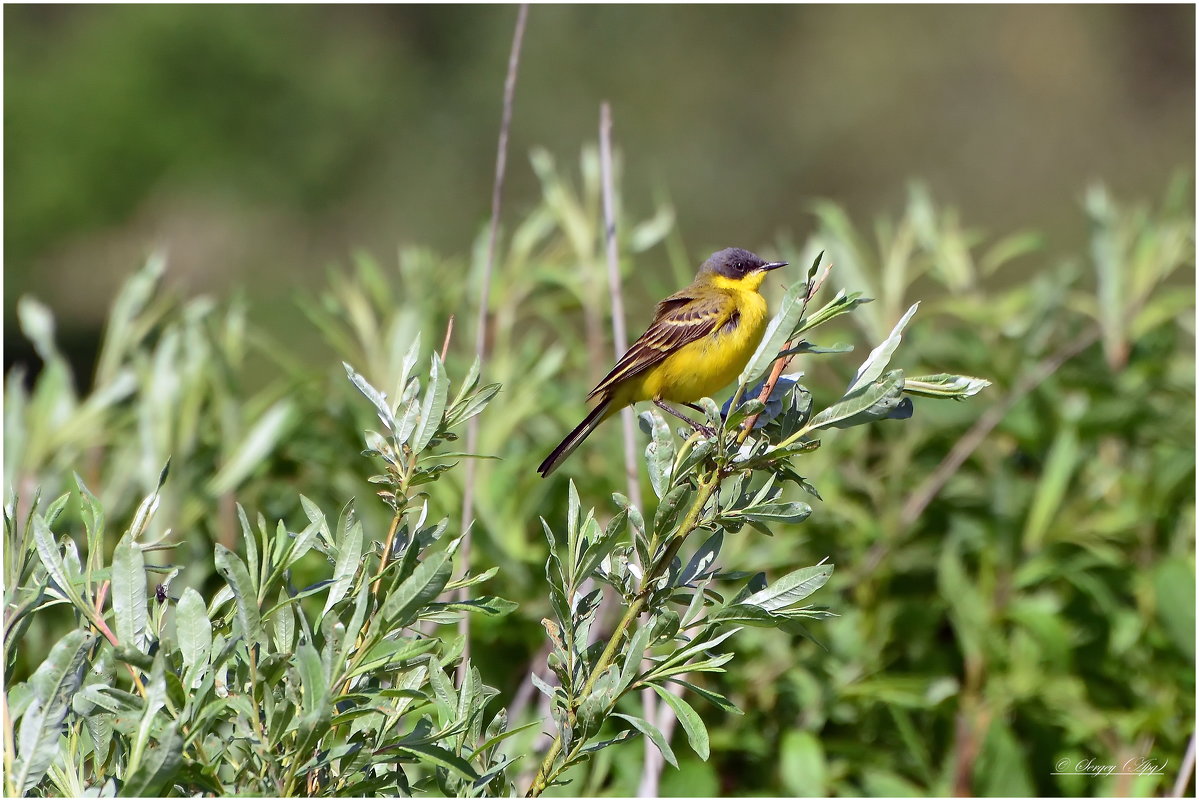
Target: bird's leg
{"type": "Point", "coordinates": [703, 429]}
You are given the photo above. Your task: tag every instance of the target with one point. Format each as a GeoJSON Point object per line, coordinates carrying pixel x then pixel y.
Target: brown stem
{"type": "Point", "coordinates": [387, 545]}
{"type": "Point", "coordinates": [780, 364]}
{"type": "Point", "coordinates": [445, 344]}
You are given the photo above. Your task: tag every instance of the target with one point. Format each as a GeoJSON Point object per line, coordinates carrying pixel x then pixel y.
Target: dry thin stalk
{"type": "Point", "coordinates": [1184, 773]}
{"type": "Point", "coordinates": [652, 767]}
{"type": "Point", "coordinates": [472, 425]}
{"type": "Point", "coordinates": [780, 364]}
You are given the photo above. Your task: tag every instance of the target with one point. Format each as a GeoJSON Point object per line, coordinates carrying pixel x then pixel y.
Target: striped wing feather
{"type": "Point", "coordinates": [678, 320]}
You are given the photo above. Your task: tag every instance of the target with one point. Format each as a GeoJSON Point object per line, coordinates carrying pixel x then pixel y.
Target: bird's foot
{"type": "Point", "coordinates": [698, 427]}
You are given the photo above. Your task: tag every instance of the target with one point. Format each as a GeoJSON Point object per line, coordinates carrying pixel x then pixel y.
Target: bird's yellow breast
{"type": "Point", "coordinates": [704, 367]}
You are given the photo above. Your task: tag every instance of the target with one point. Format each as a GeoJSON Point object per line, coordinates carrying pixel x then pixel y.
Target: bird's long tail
{"type": "Point", "coordinates": [598, 415]}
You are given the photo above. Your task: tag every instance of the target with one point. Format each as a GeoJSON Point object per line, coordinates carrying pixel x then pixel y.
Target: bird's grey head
{"type": "Point", "coordinates": [737, 263]}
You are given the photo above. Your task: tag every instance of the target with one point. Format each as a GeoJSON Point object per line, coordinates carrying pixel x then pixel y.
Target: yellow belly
{"type": "Point", "coordinates": [704, 367]}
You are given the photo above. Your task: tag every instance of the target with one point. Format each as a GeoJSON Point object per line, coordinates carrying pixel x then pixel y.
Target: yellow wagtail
{"type": "Point", "coordinates": [700, 340]}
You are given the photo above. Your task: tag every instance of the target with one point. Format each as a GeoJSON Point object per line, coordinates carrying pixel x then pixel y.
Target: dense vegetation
{"type": "Point", "coordinates": [1014, 582]}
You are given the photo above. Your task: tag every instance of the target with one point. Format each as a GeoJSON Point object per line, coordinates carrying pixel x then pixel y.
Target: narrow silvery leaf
{"type": "Point", "coordinates": [659, 453]}
{"type": "Point", "coordinates": [703, 559]}
{"type": "Point", "coordinates": [433, 406]}
{"type": "Point", "coordinates": [654, 734]}
{"type": "Point", "coordinates": [944, 385]}
{"type": "Point", "coordinates": [141, 518]}
{"type": "Point", "coordinates": [792, 512]}
{"type": "Point", "coordinates": [880, 357]}
{"type": "Point", "coordinates": [285, 625]}
{"type": "Point", "coordinates": [156, 699]}
{"type": "Point", "coordinates": [233, 570]}
{"type": "Point", "coordinates": [93, 521]}
{"type": "Point", "coordinates": [193, 630]}
{"type": "Point", "coordinates": [386, 416]}
{"type": "Point", "coordinates": [255, 446]}
{"type": "Point", "coordinates": [158, 768]}
{"type": "Point", "coordinates": [302, 543]}
{"type": "Point", "coordinates": [411, 357]}
{"type": "Point", "coordinates": [129, 594]}
{"type": "Point", "coordinates": [409, 411]}
{"type": "Point", "coordinates": [52, 560]}
{"type": "Point", "coordinates": [349, 559]}
{"type": "Point", "coordinates": [426, 583]}
{"type": "Point", "coordinates": [791, 588]}
{"type": "Point", "coordinates": [468, 384]}
{"type": "Point", "coordinates": [37, 324]}
{"type": "Point", "coordinates": [317, 518]}
{"type": "Point", "coordinates": [777, 333]}
{"type": "Point", "coordinates": [53, 684]}
{"type": "Point", "coordinates": [869, 402]}
{"type": "Point", "coordinates": [693, 724]}
{"type": "Point", "coordinates": [633, 656]}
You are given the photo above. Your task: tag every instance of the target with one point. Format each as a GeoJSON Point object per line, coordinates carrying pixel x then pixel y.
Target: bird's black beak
{"type": "Point", "coordinates": [774, 265]}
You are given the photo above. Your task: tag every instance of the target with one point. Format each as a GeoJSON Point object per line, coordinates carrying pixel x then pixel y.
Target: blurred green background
{"type": "Point", "coordinates": [258, 144]}
{"type": "Point", "coordinates": [1038, 607]}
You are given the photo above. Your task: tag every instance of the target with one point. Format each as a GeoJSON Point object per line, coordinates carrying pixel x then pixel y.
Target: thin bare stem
{"type": "Point", "coordinates": [449, 332]}
{"type": "Point", "coordinates": [1184, 773]}
{"type": "Point", "coordinates": [497, 191]}
{"type": "Point", "coordinates": [620, 336]}
{"type": "Point", "coordinates": [652, 767]}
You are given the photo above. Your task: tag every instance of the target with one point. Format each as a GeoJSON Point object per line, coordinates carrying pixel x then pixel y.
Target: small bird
{"type": "Point", "coordinates": [700, 340]}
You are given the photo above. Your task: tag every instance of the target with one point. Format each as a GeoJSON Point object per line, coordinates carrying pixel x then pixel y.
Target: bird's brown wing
{"type": "Point", "coordinates": [679, 319]}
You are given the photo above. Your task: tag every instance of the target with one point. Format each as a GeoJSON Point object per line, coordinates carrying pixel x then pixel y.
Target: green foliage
{"type": "Point", "coordinates": [272, 687]}
{"type": "Point", "coordinates": [1015, 575]}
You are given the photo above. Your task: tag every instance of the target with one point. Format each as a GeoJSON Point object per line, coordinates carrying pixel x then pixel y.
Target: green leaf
{"type": "Point", "coordinates": [792, 512]}
{"type": "Point", "coordinates": [386, 416]}
{"type": "Point", "coordinates": [317, 710]}
{"type": "Point", "coordinates": [659, 453]}
{"type": "Point", "coordinates": [234, 571]}
{"type": "Point", "coordinates": [945, 385]}
{"type": "Point", "coordinates": [426, 583]}
{"type": "Point", "coordinates": [880, 357]}
{"type": "Point", "coordinates": [349, 559]}
{"type": "Point", "coordinates": [653, 733]}
{"type": "Point", "coordinates": [1065, 455]}
{"type": "Point", "coordinates": [488, 605]}
{"type": "Point", "coordinates": [791, 588]}
{"type": "Point", "coordinates": [156, 699]}
{"type": "Point", "coordinates": [693, 724]}
{"type": "Point", "coordinates": [158, 769]}
{"type": "Point", "coordinates": [52, 561]}
{"type": "Point", "coordinates": [703, 559]}
{"type": "Point", "coordinates": [193, 630]}
{"type": "Point", "coordinates": [870, 402]}
{"type": "Point", "coordinates": [1002, 769]}
{"type": "Point", "coordinates": [803, 771]}
{"type": "Point", "coordinates": [1174, 586]}
{"type": "Point", "coordinates": [433, 406]}
{"type": "Point", "coordinates": [129, 594]}
{"type": "Point", "coordinates": [53, 684]}
{"type": "Point", "coordinates": [254, 446]}
{"type": "Point", "coordinates": [778, 332]}
{"type": "Point", "coordinates": [436, 755]}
